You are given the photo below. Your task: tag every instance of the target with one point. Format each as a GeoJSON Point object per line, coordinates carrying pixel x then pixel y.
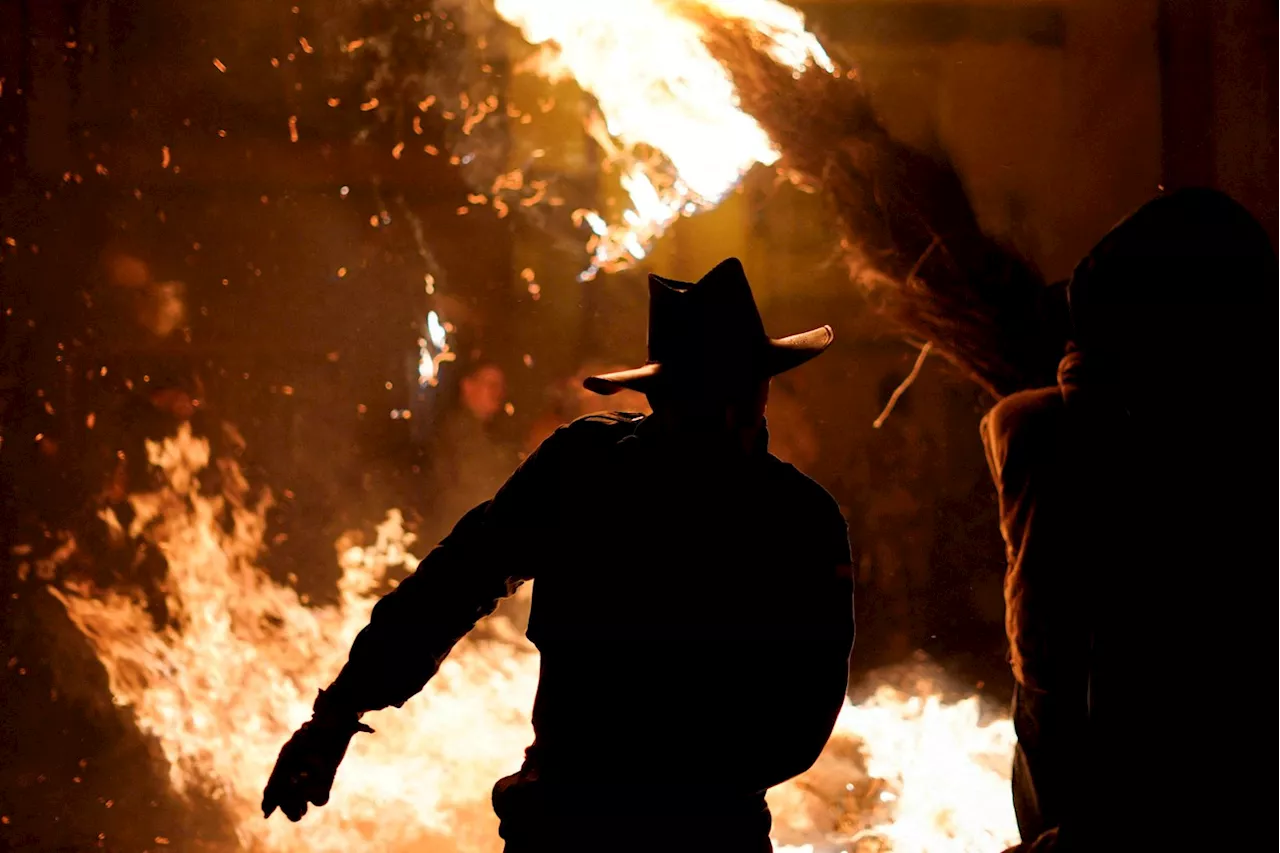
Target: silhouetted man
{"type": "Point", "coordinates": [702, 663]}
{"type": "Point", "coordinates": [1136, 513]}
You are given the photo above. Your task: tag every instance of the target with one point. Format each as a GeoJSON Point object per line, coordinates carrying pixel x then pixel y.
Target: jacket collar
{"type": "Point", "coordinates": [646, 430]}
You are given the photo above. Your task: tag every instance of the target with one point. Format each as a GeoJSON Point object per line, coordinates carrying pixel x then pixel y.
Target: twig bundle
{"type": "Point", "coordinates": [909, 234]}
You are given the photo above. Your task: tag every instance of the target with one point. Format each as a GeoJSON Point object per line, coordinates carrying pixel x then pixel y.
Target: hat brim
{"type": "Point", "coordinates": [781, 355]}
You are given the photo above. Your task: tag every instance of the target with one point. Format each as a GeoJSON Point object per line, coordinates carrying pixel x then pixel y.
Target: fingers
{"type": "Point", "coordinates": [292, 804]}
{"type": "Point", "coordinates": [304, 773]}
{"type": "Point", "coordinates": [282, 792]}
{"type": "Point", "coordinates": [322, 784]}
{"type": "Point", "coordinates": [270, 798]}
{"type": "Point", "coordinates": [295, 810]}
{"type": "Point", "coordinates": [292, 794]}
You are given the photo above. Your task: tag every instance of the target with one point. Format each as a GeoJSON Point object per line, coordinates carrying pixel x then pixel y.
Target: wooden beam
{"type": "Point", "coordinates": [937, 23]}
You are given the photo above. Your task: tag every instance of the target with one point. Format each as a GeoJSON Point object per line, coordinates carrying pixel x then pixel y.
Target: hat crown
{"type": "Point", "coordinates": [710, 334]}
{"type": "Point", "coordinates": [712, 321]}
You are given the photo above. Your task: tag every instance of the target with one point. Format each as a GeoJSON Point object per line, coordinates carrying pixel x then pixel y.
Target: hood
{"type": "Point", "coordinates": [1189, 272]}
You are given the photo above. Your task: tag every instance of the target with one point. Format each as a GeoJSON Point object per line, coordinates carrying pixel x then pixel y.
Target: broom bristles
{"type": "Point", "coordinates": [909, 234]}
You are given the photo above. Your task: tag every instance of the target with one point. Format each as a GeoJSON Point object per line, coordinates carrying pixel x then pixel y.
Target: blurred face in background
{"type": "Point", "coordinates": [484, 392]}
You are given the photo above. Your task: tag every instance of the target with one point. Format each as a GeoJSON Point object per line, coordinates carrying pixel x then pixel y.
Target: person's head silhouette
{"type": "Point", "coordinates": [1175, 293]}
{"type": "Point", "coordinates": [710, 359]}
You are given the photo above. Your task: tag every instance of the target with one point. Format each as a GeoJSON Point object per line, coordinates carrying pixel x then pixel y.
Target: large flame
{"type": "Point", "coordinates": [235, 670]}
{"type": "Point", "coordinates": [668, 119]}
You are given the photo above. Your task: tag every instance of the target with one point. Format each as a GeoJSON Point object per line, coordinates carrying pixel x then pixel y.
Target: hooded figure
{"type": "Point", "coordinates": [1135, 522]}
{"type": "Point", "coordinates": [704, 661]}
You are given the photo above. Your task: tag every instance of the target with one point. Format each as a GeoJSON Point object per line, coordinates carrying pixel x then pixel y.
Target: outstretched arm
{"type": "Point", "coordinates": [489, 554]}
{"type": "Point", "coordinates": [415, 626]}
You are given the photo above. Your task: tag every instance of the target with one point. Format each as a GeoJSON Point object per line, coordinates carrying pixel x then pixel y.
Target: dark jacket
{"type": "Point", "coordinates": [1132, 537]}
{"type": "Point", "coordinates": [704, 660]}
{"type": "Point", "coordinates": [1140, 539]}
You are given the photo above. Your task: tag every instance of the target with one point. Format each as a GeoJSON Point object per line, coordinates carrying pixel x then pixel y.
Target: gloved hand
{"type": "Point", "coordinates": [306, 766]}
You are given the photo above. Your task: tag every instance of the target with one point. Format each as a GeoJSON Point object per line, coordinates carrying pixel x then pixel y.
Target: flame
{"type": "Point", "coordinates": [944, 772]}
{"type": "Point", "coordinates": [433, 350]}
{"type": "Point", "coordinates": [668, 120]}
{"type": "Point", "coordinates": [226, 681]}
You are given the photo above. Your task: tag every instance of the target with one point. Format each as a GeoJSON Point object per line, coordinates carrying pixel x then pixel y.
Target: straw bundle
{"type": "Point", "coordinates": [908, 231]}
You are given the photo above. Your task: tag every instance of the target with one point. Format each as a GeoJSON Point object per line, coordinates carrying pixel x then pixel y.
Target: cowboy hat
{"type": "Point", "coordinates": [710, 332]}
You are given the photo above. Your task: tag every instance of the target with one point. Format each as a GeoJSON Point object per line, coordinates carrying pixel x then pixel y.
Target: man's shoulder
{"type": "Point", "coordinates": [599, 428]}
{"type": "Point", "coordinates": [602, 425]}
{"type": "Point", "coordinates": [799, 489]}
{"type": "Point", "coordinates": [602, 420]}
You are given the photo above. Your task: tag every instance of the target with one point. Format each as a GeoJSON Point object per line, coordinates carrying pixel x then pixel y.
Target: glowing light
{"type": "Point", "coordinates": [436, 331]}
{"type": "Point", "coordinates": [433, 350]}
{"type": "Point", "coordinates": [668, 120]}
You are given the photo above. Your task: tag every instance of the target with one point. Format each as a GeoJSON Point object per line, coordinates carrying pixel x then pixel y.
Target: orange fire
{"type": "Point", "coordinates": [668, 120]}
{"type": "Point", "coordinates": [223, 686]}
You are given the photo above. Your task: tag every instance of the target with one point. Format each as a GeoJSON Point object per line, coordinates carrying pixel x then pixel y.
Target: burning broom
{"type": "Point", "coordinates": [909, 234]}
